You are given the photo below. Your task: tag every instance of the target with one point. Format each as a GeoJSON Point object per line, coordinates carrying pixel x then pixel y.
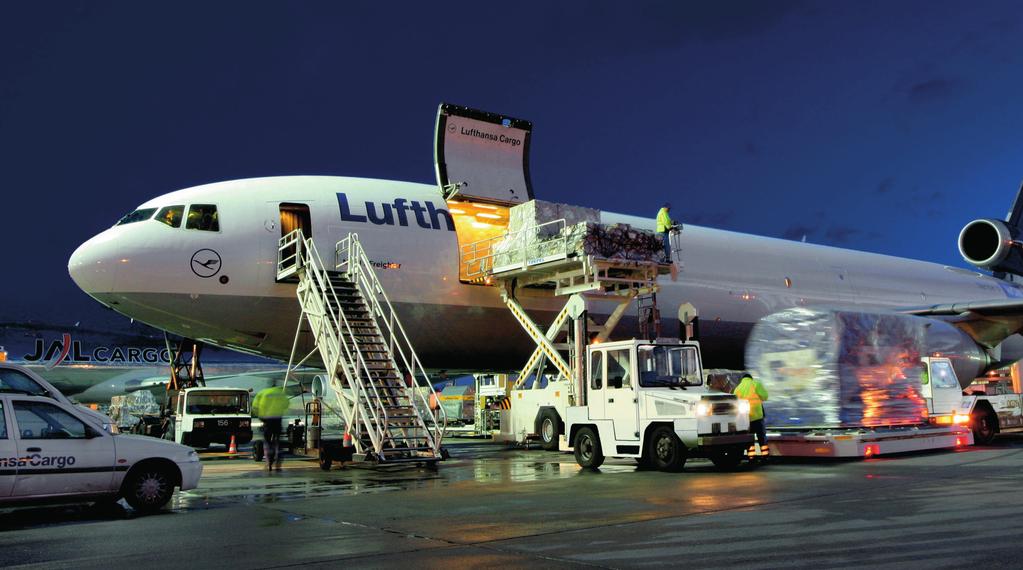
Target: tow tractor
{"type": "Point", "coordinates": [647, 400]}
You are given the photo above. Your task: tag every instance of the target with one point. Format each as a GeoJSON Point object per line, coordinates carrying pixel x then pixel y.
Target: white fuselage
{"type": "Point", "coordinates": [148, 270]}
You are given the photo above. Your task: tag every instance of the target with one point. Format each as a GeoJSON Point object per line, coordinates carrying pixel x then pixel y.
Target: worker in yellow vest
{"type": "Point", "coordinates": [270, 405]}
{"type": "Point", "coordinates": [754, 392]}
{"type": "Point", "coordinates": [664, 225]}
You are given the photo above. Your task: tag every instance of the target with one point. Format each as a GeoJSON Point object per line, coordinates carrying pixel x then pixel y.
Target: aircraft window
{"type": "Point", "coordinates": [171, 215]}
{"type": "Point", "coordinates": [37, 420]}
{"type": "Point", "coordinates": [136, 216]}
{"type": "Point", "coordinates": [203, 217]}
{"type": "Point", "coordinates": [3, 423]}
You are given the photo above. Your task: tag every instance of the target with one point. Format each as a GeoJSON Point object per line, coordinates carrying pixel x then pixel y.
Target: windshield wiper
{"type": "Point", "coordinates": [665, 383]}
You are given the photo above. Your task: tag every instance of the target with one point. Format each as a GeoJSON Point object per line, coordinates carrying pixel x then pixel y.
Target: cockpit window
{"type": "Point", "coordinates": [203, 217]}
{"type": "Point", "coordinates": [139, 215]}
{"type": "Point", "coordinates": [171, 215]}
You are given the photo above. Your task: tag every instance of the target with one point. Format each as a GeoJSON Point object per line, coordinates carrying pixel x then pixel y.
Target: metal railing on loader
{"type": "Point", "coordinates": [368, 402]}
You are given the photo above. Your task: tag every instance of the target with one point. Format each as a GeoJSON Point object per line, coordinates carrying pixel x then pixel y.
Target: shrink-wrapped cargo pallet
{"type": "Point", "coordinates": [126, 410]}
{"type": "Point", "coordinates": [830, 368]}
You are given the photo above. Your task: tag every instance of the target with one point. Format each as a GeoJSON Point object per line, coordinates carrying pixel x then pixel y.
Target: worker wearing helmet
{"type": "Point", "coordinates": [270, 405]}
{"type": "Point", "coordinates": [664, 225]}
{"type": "Point", "coordinates": [754, 392]}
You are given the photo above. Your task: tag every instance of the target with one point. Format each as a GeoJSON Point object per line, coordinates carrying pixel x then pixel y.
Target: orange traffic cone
{"type": "Point", "coordinates": [347, 440]}
{"type": "Point", "coordinates": [233, 448]}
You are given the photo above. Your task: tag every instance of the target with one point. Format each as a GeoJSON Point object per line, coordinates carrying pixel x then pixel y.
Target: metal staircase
{"type": "Point", "coordinates": [380, 386]}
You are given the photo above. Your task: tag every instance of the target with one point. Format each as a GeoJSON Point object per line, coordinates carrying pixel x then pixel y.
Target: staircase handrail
{"type": "Point", "coordinates": [338, 328]}
{"type": "Point", "coordinates": [351, 258]}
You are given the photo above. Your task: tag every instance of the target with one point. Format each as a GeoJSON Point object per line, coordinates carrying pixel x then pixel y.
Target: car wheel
{"type": "Point", "coordinates": [147, 488]}
{"type": "Point", "coordinates": [984, 427]}
{"type": "Point", "coordinates": [728, 458]}
{"type": "Point", "coordinates": [666, 451]}
{"type": "Point", "coordinates": [550, 429]}
{"type": "Point", "coordinates": [587, 449]}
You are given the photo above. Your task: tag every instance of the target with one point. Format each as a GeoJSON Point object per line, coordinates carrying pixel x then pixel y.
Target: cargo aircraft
{"type": "Point", "coordinates": [201, 263]}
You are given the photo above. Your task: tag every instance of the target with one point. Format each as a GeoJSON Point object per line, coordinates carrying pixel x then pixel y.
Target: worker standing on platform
{"type": "Point", "coordinates": [665, 225]}
{"type": "Point", "coordinates": [270, 405]}
{"type": "Point", "coordinates": [754, 392]}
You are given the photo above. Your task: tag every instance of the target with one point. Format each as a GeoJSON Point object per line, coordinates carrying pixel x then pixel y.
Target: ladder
{"type": "Point", "coordinates": [379, 384]}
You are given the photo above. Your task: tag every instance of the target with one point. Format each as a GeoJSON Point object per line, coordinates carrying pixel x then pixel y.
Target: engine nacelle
{"type": "Point", "coordinates": [988, 243]}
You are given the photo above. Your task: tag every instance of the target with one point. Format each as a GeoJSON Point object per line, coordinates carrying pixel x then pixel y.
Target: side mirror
{"type": "Point", "coordinates": [91, 433]}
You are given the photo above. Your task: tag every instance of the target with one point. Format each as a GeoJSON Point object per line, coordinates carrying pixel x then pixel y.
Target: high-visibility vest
{"type": "Point", "coordinates": [747, 390]}
{"type": "Point", "coordinates": [664, 222]}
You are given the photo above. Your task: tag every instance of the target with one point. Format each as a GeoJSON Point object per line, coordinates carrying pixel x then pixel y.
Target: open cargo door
{"type": "Point", "coordinates": [482, 162]}
{"type": "Point", "coordinates": [482, 156]}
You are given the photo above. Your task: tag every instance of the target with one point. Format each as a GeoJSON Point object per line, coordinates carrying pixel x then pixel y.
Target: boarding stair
{"type": "Point", "coordinates": [379, 384]}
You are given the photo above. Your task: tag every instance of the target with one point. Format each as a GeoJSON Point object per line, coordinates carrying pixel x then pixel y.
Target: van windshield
{"type": "Point", "coordinates": [217, 403]}
{"type": "Point", "coordinates": [669, 366]}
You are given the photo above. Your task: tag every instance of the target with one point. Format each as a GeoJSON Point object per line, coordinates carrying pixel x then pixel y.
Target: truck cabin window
{"type": "Point", "coordinates": [171, 215]}
{"type": "Point", "coordinates": [942, 375]}
{"type": "Point", "coordinates": [216, 403]}
{"type": "Point", "coordinates": [203, 217]}
{"type": "Point", "coordinates": [139, 215]}
{"type": "Point", "coordinates": [669, 366]}
{"type": "Point", "coordinates": [619, 369]}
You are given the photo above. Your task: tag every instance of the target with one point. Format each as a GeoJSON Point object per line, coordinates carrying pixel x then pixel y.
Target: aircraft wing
{"type": "Point", "coordinates": [987, 322]}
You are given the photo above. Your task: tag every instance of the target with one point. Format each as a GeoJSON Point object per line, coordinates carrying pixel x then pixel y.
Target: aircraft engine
{"type": "Point", "coordinates": [988, 243]}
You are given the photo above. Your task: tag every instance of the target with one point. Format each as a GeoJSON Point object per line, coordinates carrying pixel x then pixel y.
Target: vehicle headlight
{"type": "Point", "coordinates": [744, 406]}
{"type": "Point", "coordinates": [702, 409]}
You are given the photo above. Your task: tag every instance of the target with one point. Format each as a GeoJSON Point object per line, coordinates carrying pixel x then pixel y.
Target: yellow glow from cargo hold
{"type": "Point", "coordinates": [456, 211]}
{"type": "Point", "coordinates": [480, 225]}
{"type": "Point", "coordinates": [491, 216]}
{"type": "Point", "coordinates": [484, 206]}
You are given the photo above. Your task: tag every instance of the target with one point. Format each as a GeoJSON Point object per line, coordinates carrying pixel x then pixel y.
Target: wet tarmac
{"type": "Point", "coordinates": [493, 507]}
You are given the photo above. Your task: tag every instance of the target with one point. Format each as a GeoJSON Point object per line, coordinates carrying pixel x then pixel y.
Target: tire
{"type": "Point", "coordinates": [587, 449]}
{"type": "Point", "coordinates": [985, 426]}
{"type": "Point", "coordinates": [550, 429]}
{"type": "Point", "coordinates": [666, 451]}
{"type": "Point", "coordinates": [728, 458]}
{"type": "Point", "coordinates": [257, 451]}
{"type": "Point", "coordinates": [148, 487]}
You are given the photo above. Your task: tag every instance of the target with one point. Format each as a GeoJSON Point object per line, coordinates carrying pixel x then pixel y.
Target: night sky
{"type": "Point", "coordinates": [881, 126]}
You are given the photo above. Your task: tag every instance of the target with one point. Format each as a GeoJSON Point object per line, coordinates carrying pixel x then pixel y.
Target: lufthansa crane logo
{"type": "Point", "coordinates": [205, 263]}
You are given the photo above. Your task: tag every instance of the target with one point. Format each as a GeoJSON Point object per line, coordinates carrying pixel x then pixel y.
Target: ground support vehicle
{"type": "Point", "coordinates": [51, 451]}
{"type": "Point", "coordinates": [994, 404]}
{"type": "Point", "coordinates": [635, 398]}
{"type": "Point", "coordinates": [647, 400]}
{"type": "Point", "coordinates": [947, 426]}
{"type": "Point", "coordinates": [202, 416]}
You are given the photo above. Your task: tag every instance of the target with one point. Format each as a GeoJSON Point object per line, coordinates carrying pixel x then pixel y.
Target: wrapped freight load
{"type": "Point", "coordinates": [831, 368]}
{"type": "Point", "coordinates": [126, 410]}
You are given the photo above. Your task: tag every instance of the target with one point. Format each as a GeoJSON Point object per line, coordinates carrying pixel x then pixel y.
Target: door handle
{"type": "Point", "coordinates": [610, 400]}
{"type": "Point", "coordinates": [34, 449]}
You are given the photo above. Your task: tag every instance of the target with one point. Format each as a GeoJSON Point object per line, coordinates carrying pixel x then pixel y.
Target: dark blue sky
{"type": "Point", "coordinates": [882, 126]}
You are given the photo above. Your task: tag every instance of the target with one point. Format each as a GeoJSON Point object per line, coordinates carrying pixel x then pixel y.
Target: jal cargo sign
{"type": "Point", "coordinates": [485, 153]}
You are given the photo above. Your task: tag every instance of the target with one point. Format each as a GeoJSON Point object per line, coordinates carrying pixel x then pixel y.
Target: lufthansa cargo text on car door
{"type": "Point", "coordinates": [60, 453]}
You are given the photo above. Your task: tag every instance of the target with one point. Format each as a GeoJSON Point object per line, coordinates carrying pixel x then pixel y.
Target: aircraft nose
{"type": "Point", "coordinates": [92, 266]}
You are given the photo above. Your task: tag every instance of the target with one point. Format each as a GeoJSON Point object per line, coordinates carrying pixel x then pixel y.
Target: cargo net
{"type": "Point", "coordinates": [828, 368]}
{"type": "Point", "coordinates": [126, 410]}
